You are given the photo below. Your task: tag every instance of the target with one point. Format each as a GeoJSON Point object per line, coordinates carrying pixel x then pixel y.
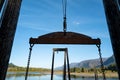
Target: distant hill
{"type": "Point", "coordinates": [12, 65]}
{"type": "Point", "coordinates": [85, 64]}
{"type": "Point", "coordinates": [14, 68]}
{"type": "Point", "coordinates": [109, 61]}
{"type": "Point", "coordinates": [90, 63]}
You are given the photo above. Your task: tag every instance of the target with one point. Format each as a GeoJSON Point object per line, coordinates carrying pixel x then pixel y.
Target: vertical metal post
{"type": "Point", "coordinates": [7, 32]}
{"type": "Point", "coordinates": [96, 74]}
{"type": "Point", "coordinates": [66, 58]}
{"type": "Point", "coordinates": [112, 11]}
{"type": "Point", "coordinates": [64, 71]}
{"type": "Point", "coordinates": [52, 71]}
{"type": "Point", "coordinates": [68, 65]}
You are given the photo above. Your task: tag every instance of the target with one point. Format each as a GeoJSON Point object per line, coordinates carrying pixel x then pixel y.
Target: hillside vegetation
{"type": "Point", "coordinates": [14, 68]}
{"type": "Point", "coordinates": [84, 66]}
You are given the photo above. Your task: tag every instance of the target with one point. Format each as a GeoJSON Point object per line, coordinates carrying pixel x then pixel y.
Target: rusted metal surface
{"type": "Point", "coordinates": [112, 12]}
{"type": "Point", "coordinates": [7, 32]}
{"type": "Point", "coordinates": [60, 38]}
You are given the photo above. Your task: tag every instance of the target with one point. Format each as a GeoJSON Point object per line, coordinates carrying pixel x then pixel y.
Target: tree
{"type": "Point", "coordinates": [112, 67]}
{"type": "Point", "coordinates": [82, 70]}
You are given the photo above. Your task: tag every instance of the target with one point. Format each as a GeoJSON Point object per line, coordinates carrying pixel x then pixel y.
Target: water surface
{"type": "Point", "coordinates": [41, 76]}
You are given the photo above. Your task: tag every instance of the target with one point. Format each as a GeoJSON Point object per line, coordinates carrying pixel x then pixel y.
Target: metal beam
{"type": "Point", "coordinates": [7, 32]}
{"type": "Point", "coordinates": [66, 58]}
{"type": "Point", "coordinates": [112, 12]}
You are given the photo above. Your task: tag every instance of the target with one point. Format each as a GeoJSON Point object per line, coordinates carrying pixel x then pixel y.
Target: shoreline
{"type": "Point", "coordinates": [108, 75]}
{"type": "Point", "coordinates": [90, 74]}
{"type": "Point", "coordinates": [84, 74]}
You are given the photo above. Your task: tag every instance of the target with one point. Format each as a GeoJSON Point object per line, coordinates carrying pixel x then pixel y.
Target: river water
{"type": "Point", "coordinates": [20, 76]}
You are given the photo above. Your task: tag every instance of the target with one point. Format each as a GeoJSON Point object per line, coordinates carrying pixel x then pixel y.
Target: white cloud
{"type": "Point", "coordinates": [76, 22]}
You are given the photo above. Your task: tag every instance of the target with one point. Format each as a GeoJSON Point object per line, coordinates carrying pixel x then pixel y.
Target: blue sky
{"type": "Point", "coordinates": [39, 17]}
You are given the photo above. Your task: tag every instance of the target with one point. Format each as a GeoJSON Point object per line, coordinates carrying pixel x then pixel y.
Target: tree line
{"type": "Point", "coordinates": [13, 69]}
{"type": "Point", "coordinates": [111, 68]}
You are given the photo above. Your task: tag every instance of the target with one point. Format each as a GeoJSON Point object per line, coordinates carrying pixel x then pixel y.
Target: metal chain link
{"type": "Point", "coordinates": [101, 61]}
{"type": "Point", "coordinates": [28, 63]}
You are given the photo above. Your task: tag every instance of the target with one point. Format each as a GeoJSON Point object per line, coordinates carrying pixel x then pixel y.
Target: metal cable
{"type": "Point", "coordinates": [64, 6]}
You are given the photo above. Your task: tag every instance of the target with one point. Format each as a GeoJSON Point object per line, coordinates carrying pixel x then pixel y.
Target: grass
{"type": "Point", "coordinates": [107, 74]}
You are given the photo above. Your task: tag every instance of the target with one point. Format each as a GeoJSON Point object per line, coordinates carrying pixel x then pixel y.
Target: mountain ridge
{"type": "Point", "coordinates": [91, 63]}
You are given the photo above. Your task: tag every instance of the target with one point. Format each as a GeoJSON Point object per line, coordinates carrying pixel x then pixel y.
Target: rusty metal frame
{"type": "Point", "coordinates": [61, 38]}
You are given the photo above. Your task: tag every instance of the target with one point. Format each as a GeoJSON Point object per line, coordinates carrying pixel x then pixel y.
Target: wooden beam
{"type": "Point", "coordinates": [64, 41]}
{"type": "Point", "coordinates": [60, 38]}
{"type": "Point", "coordinates": [7, 32]}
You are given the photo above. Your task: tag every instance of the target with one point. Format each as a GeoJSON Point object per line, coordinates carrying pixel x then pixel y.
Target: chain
{"type": "Point", "coordinates": [101, 61]}
{"type": "Point", "coordinates": [27, 70]}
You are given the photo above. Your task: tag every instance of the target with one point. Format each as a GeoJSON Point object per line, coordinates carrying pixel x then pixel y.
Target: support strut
{"type": "Point", "coordinates": [112, 11]}
{"type": "Point", "coordinates": [8, 25]}
{"type": "Point", "coordinates": [65, 58]}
